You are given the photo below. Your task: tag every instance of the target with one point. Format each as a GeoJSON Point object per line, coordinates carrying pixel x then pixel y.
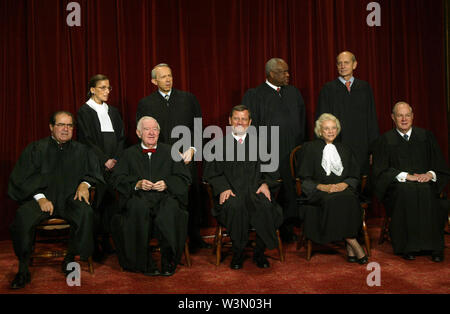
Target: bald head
{"type": "Point", "coordinates": [346, 64]}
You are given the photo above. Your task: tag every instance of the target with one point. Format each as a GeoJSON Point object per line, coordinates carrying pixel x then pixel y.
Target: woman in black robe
{"type": "Point", "coordinates": [330, 176]}
{"type": "Point", "coordinates": [100, 126]}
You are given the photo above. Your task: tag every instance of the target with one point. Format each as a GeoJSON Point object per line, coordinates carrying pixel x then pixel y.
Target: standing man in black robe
{"type": "Point", "coordinates": [276, 103]}
{"type": "Point", "coordinates": [351, 101]}
{"type": "Point", "coordinates": [153, 196]}
{"type": "Point", "coordinates": [172, 107]}
{"type": "Point", "coordinates": [410, 172]}
{"type": "Point", "coordinates": [242, 191]}
{"type": "Point", "coordinates": [52, 179]}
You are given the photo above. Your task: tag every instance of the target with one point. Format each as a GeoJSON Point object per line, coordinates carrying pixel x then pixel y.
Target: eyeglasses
{"type": "Point", "coordinates": [63, 125]}
{"type": "Point", "coordinates": [103, 88]}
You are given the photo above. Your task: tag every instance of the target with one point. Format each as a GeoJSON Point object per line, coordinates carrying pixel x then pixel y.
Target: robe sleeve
{"type": "Point", "coordinates": [121, 180]}
{"type": "Point", "coordinates": [372, 121]}
{"type": "Point", "coordinates": [214, 175]}
{"type": "Point", "coordinates": [438, 164]}
{"type": "Point", "coordinates": [250, 100]}
{"type": "Point", "coordinates": [178, 181]}
{"type": "Point", "coordinates": [26, 179]}
{"type": "Point", "coordinates": [305, 170]}
{"type": "Point", "coordinates": [323, 104]}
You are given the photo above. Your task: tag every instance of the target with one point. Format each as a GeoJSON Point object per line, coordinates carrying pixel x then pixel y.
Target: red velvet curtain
{"type": "Point", "coordinates": [217, 50]}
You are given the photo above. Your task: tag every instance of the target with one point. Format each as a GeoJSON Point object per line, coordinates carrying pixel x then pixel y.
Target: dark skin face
{"type": "Point", "coordinates": [279, 76]}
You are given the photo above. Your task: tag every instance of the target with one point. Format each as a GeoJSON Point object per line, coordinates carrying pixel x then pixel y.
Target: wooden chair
{"type": "Point", "coordinates": [302, 239]}
{"type": "Point", "coordinates": [221, 232]}
{"type": "Point", "coordinates": [187, 256]}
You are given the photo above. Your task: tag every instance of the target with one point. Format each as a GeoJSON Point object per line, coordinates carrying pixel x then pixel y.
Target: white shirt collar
{"type": "Point", "coordinates": [271, 85]}
{"type": "Point", "coordinates": [163, 94]}
{"type": "Point", "coordinates": [237, 137]}
{"type": "Point", "coordinates": [407, 133]}
{"type": "Point", "coordinates": [91, 103]}
{"type": "Point", "coordinates": [352, 79]}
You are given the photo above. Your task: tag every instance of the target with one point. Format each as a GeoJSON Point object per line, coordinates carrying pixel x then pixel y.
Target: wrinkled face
{"type": "Point", "coordinates": [148, 133]}
{"type": "Point", "coordinates": [403, 118]}
{"type": "Point", "coordinates": [240, 122]}
{"type": "Point", "coordinates": [62, 131]}
{"type": "Point", "coordinates": [279, 76]}
{"type": "Point", "coordinates": [328, 131]}
{"type": "Point", "coordinates": [101, 91]}
{"type": "Point", "coordinates": [346, 65]}
{"type": "Point", "coordinates": [164, 79]}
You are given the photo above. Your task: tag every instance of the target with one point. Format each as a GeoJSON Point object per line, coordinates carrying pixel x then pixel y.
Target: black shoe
{"type": "Point", "coordinates": [168, 269]}
{"type": "Point", "coordinates": [152, 272]}
{"type": "Point", "coordinates": [363, 260]}
{"type": "Point", "coordinates": [261, 261]}
{"type": "Point", "coordinates": [237, 261]}
{"type": "Point", "coordinates": [437, 256]}
{"type": "Point", "coordinates": [20, 280]}
{"type": "Point", "coordinates": [409, 256]}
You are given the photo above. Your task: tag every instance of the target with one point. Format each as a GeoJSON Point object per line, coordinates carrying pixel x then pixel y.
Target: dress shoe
{"type": "Point", "coordinates": [168, 269]}
{"type": "Point", "coordinates": [363, 260]}
{"type": "Point", "coordinates": [152, 272]}
{"type": "Point", "coordinates": [20, 280]}
{"type": "Point", "coordinates": [437, 257]}
{"type": "Point", "coordinates": [409, 256]}
{"type": "Point", "coordinates": [261, 261]}
{"type": "Point", "coordinates": [237, 261]}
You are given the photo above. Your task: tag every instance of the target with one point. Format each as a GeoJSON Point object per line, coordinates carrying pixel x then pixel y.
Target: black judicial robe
{"type": "Point", "coordinates": [133, 227]}
{"type": "Point", "coordinates": [357, 113]}
{"type": "Point", "coordinates": [44, 167]}
{"type": "Point", "coordinates": [89, 132]}
{"type": "Point", "coordinates": [246, 208]}
{"type": "Point", "coordinates": [183, 108]}
{"type": "Point", "coordinates": [288, 113]}
{"type": "Point", "coordinates": [416, 217]}
{"type": "Point", "coordinates": [329, 217]}
{"type": "Point", "coordinates": [105, 147]}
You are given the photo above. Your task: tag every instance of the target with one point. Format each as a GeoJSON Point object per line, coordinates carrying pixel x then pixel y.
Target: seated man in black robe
{"type": "Point", "coordinates": [410, 172]}
{"type": "Point", "coordinates": [242, 191]}
{"type": "Point", "coordinates": [153, 197]}
{"type": "Point", "coordinates": [51, 179]}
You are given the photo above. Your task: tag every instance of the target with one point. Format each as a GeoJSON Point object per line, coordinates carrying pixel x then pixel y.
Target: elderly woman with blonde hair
{"type": "Point", "coordinates": [330, 175]}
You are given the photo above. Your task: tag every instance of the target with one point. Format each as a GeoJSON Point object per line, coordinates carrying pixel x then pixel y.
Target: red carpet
{"type": "Point", "coordinates": [326, 273]}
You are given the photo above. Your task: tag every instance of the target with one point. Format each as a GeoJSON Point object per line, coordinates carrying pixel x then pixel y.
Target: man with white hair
{"type": "Point", "coordinates": [173, 107]}
{"type": "Point", "coordinates": [153, 196]}
{"type": "Point", "coordinates": [409, 173]}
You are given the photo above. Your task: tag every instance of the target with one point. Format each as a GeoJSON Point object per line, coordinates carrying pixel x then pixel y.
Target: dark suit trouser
{"type": "Point", "coordinates": [79, 215]}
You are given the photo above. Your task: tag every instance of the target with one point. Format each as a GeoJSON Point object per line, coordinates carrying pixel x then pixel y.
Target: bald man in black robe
{"type": "Point", "coordinates": [51, 179]}
{"type": "Point", "coordinates": [351, 101]}
{"type": "Point", "coordinates": [409, 172]}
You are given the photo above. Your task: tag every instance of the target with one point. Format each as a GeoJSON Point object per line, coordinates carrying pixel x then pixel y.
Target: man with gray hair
{"type": "Point", "coordinates": [409, 172]}
{"type": "Point", "coordinates": [172, 108]}
{"type": "Point", "coordinates": [153, 196]}
{"type": "Point", "coordinates": [276, 103]}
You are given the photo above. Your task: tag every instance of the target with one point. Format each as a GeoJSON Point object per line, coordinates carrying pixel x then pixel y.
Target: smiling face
{"type": "Point", "coordinates": [328, 131]}
{"type": "Point", "coordinates": [346, 64]}
{"type": "Point", "coordinates": [62, 130]}
{"type": "Point", "coordinates": [100, 93]}
{"type": "Point", "coordinates": [240, 121]}
{"type": "Point", "coordinates": [164, 79]}
{"type": "Point", "coordinates": [148, 132]}
{"type": "Point", "coordinates": [403, 117]}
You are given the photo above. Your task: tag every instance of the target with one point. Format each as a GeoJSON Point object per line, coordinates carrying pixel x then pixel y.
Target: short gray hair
{"type": "Point", "coordinates": [271, 64]}
{"type": "Point", "coordinates": [394, 109]}
{"type": "Point", "coordinates": [161, 65]}
{"type": "Point", "coordinates": [326, 117]}
{"type": "Point", "coordinates": [141, 120]}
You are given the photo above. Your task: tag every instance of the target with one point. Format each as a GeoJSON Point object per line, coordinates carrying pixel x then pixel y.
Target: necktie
{"type": "Point", "coordinates": [406, 137]}
{"type": "Point", "coordinates": [348, 83]}
{"type": "Point", "coordinates": [240, 141]}
{"type": "Point", "coordinates": [278, 91]}
{"type": "Point", "coordinates": [167, 99]}
{"type": "Point", "coordinates": [150, 150]}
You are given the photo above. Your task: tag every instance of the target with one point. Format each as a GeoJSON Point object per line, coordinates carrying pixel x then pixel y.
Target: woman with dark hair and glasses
{"type": "Point", "coordinates": [100, 126]}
